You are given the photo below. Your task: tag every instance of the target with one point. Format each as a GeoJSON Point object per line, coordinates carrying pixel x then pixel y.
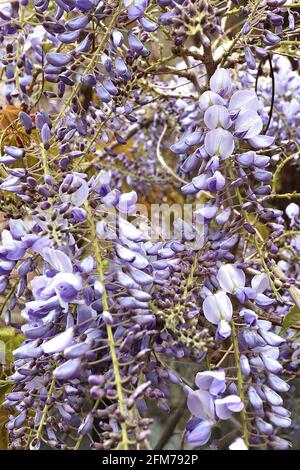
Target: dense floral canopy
{"type": "Point", "coordinates": [149, 263]}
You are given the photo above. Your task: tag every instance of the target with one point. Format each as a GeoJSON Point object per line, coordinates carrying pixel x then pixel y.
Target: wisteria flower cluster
{"type": "Point", "coordinates": [150, 225]}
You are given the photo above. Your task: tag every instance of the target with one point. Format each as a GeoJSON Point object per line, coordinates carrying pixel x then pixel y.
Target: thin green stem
{"type": "Point", "coordinates": [280, 196]}
{"type": "Point", "coordinates": [9, 295]}
{"type": "Point", "coordinates": [256, 236]}
{"type": "Point", "coordinates": [46, 173]}
{"type": "Point", "coordinates": [45, 410]}
{"type": "Point", "coordinates": [238, 36]}
{"type": "Point", "coordinates": [91, 64]}
{"type": "Point", "coordinates": [240, 382]}
{"type": "Point", "coordinates": [278, 170]}
{"type": "Point", "coordinates": [110, 336]}
{"type": "Point", "coordinates": [95, 137]}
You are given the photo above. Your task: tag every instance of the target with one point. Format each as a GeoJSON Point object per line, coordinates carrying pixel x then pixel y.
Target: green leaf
{"type": "Point", "coordinates": [10, 339]}
{"type": "Point", "coordinates": [290, 320]}
{"type": "Point", "coordinates": [7, 332]}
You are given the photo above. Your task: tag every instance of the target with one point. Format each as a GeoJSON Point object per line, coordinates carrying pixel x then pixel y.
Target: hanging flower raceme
{"type": "Point", "coordinates": [122, 262]}
{"type": "Point", "coordinates": [209, 404]}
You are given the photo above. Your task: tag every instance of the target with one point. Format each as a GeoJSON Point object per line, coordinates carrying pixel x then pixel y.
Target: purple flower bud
{"type": "Point", "coordinates": [180, 147]}
{"type": "Point", "coordinates": [246, 28]}
{"type": "Point", "coordinates": [46, 135]}
{"type": "Point", "coordinates": [277, 383]}
{"type": "Point", "coordinates": [245, 366]}
{"type": "Point", "coordinates": [223, 216]}
{"type": "Point", "coordinates": [107, 317]}
{"type": "Point", "coordinates": [89, 79]}
{"type": "Point", "coordinates": [136, 8]}
{"type": "Point", "coordinates": [270, 38]}
{"type": "Point", "coordinates": [134, 43]}
{"type": "Point", "coordinates": [58, 58]}
{"type": "Point", "coordinates": [16, 396]}
{"type": "Point", "coordinates": [272, 397]}
{"type": "Point", "coordinates": [121, 67]}
{"type": "Point", "coordinates": [280, 421]}
{"type": "Point", "coordinates": [291, 21]}
{"type": "Point", "coordinates": [174, 378]}
{"type": "Point", "coordinates": [85, 5]}
{"type": "Point", "coordinates": [26, 121]}
{"type": "Point", "coordinates": [264, 301]}
{"type": "Point", "coordinates": [103, 94]}
{"type": "Point", "coordinates": [35, 332]}
{"type": "Point", "coordinates": [276, 20]}
{"type": "Point", "coordinates": [7, 160]}
{"type": "Point", "coordinates": [264, 427]}
{"type": "Point", "coordinates": [280, 410]}
{"type": "Point", "coordinates": [252, 339]}
{"type": "Point", "coordinates": [84, 45]}
{"type": "Point", "coordinates": [76, 350]}
{"type": "Point", "coordinates": [249, 58]}
{"type": "Point", "coordinates": [261, 161]}
{"type": "Point", "coordinates": [68, 370]}
{"type": "Point", "coordinates": [68, 37]}
{"type": "Point", "coordinates": [279, 444]}
{"type": "Point", "coordinates": [263, 175]}
{"type": "Point", "coordinates": [28, 350]}
{"type": "Point", "coordinates": [206, 214]}
{"type": "Point", "coordinates": [3, 284]}
{"type": "Point", "coordinates": [254, 398]}
{"type": "Point", "coordinates": [271, 364]}
{"type": "Point", "coordinates": [148, 25]}
{"type": "Point", "coordinates": [106, 62]}
{"type": "Point", "coordinates": [117, 38]}
{"type": "Point", "coordinates": [260, 52]}
{"type": "Point", "coordinates": [220, 82]}
{"type": "Point", "coordinates": [14, 152]}
{"type": "Point", "coordinates": [271, 338]}
{"type": "Point", "coordinates": [59, 342]}
{"type": "Point", "coordinates": [78, 23]}
{"type": "Point", "coordinates": [263, 190]}
{"type": "Point", "coordinates": [110, 87]}
{"type": "Point", "coordinates": [86, 426]}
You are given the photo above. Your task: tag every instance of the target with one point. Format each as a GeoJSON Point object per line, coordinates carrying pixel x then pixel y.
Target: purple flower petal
{"type": "Point", "coordinates": [231, 278]}
{"type": "Point", "coordinates": [212, 381]}
{"type": "Point", "coordinates": [223, 330]}
{"type": "Point", "coordinates": [201, 404]}
{"type": "Point", "coordinates": [261, 141]}
{"type": "Point", "coordinates": [59, 342]}
{"type": "Point", "coordinates": [58, 260]}
{"type": "Point", "coordinates": [225, 406]}
{"type": "Point", "coordinates": [209, 98]}
{"type": "Point", "coordinates": [219, 142]}
{"type": "Point", "coordinates": [129, 231]}
{"type": "Point", "coordinates": [217, 116]}
{"type": "Point", "coordinates": [127, 202]}
{"type": "Point", "coordinates": [243, 99]}
{"type": "Point", "coordinates": [68, 370]}
{"type": "Point", "coordinates": [217, 307]}
{"type": "Point", "coordinates": [220, 82]}
{"type": "Point", "coordinates": [200, 434]}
